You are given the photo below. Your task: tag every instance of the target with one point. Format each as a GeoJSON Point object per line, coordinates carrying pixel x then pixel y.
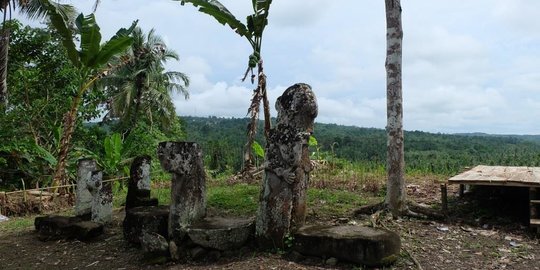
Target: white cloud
{"type": "Point", "coordinates": [468, 65]}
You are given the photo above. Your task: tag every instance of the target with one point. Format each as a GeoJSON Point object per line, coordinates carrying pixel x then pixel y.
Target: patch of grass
{"type": "Point", "coordinates": [119, 197]}
{"type": "Point", "coordinates": [241, 199]}
{"type": "Point", "coordinates": [237, 200]}
{"type": "Point", "coordinates": [17, 224]}
{"type": "Point", "coordinates": [328, 202]}
{"type": "Point", "coordinates": [162, 194]}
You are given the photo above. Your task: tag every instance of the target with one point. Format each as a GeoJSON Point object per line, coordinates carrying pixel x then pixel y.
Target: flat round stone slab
{"type": "Point", "coordinates": [221, 233]}
{"type": "Point", "coordinates": [364, 245]}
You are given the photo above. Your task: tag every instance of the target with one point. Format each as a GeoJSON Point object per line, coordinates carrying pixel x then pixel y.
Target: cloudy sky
{"type": "Point", "coordinates": [469, 66]}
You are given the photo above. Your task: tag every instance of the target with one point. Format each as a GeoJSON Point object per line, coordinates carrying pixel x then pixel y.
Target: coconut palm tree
{"type": "Point", "coordinates": [33, 9]}
{"type": "Point", "coordinates": [142, 87]}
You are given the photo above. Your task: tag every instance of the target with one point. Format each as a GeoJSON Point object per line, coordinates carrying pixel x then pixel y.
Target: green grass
{"type": "Point", "coordinates": [328, 202]}
{"type": "Point", "coordinates": [243, 199]}
{"type": "Point", "coordinates": [17, 224]}
{"type": "Point", "coordinates": [240, 200]}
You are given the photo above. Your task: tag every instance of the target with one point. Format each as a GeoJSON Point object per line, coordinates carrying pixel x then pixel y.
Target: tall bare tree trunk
{"type": "Point", "coordinates": [395, 193]}
{"type": "Point", "coordinates": [4, 48]}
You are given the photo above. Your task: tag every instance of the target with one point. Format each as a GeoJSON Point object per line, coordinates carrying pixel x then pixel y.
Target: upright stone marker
{"type": "Point", "coordinates": [139, 184]}
{"type": "Point", "coordinates": [188, 188]}
{"type": "Point", "coordinates": [282, 206]}
{"type": "Point", "coordinates": [83, 198]}
{"type": "Point", "coordinates": [101, 198]}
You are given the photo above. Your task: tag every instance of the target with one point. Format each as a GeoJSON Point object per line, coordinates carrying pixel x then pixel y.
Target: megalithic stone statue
{"type": "Point", "coordinates": [83, 198]}
{"type": "Point", "coordinates": [282, 205]}
{"type": "Point", "coordinates": [139, 184]}
{"type": "Point", "coordinates": [102, 198]}
{"type": "Point", "coordinates": [188, 188]}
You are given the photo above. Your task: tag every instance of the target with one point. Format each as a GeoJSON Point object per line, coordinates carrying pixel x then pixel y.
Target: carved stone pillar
{"type": "Point", "coordinates": [139, 184]}
{"type": "Point", "coordinates": [188, 188]}
{"type": "Point", "coordinates": [282, 205]}
{"type": "Point", "coordinates": [83, 198]}
{"type": "Point", "coordinates": [102, 198]}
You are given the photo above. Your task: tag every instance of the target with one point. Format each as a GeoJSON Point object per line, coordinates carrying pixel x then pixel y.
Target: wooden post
{"type": "Point", "coordinates": [532, 207]}
{"type": "Point", "coordinates": [444, 199]}
{"type": "Point", "coordinates": [461, 190]}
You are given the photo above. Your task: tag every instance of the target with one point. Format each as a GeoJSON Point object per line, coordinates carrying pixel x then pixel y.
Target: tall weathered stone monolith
{"type": "Point", "coordinates": [83, 198]}
{"type": "Point", "coordinates": [139, 184]}
{"type": "Point", "coordinates": [188, 188]}
{"type": "Point", "coordinates": [282, 205]}
{"type": "Point", "coordinates": [102, 198]}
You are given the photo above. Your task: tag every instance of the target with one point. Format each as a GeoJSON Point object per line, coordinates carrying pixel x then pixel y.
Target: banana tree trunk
{"type": "Point", "coordinates": [259, 95]}
{"type": "Point", "coordinates": [4, 48]}
{"type": "Point", "coordinates": [266, 104]}
{"type": "Point", "coordinates": [396, 193]}
{"type": "Point", "coordinates": [70, 118]}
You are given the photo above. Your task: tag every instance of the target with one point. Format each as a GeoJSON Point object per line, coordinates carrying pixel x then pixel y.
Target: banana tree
{"type": "Point", "coordinates": [91, 61]}
{"type": "Point", "coordinates": [252, 31]}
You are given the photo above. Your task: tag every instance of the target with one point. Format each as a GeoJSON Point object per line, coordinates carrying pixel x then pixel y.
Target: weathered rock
{"type": "Point", "coordinates": [197, 253]}
{"type": "Point", "coordinates": [83, 198]}
{"type": "Point", "coordinates": [102, 198]}
{"type": "Point", "coordinates": [221, 233]}
{"type": "Point", "coordinates": [363, 245]}
{"type": "Point", "coordinates": [150, 219]}
{"type": "Point", "coordinates": [154, 244]}
{"type": "Point", "coordinates": [213, 256]}
{"type": "Point", "coordinates": [331, 261]}
{"type": "Point", "coordinates": [139, 184]}
{"type": "Point", "coordinates": [63, 227]}
{"type": "Point", "coordinates": [86, 230]}
{"type": "Point", "coordinates": [188, 189]}
{"type": "Point", "coordinates": [282, 206]}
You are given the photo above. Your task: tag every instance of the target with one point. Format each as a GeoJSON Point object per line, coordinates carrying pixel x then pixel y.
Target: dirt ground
{"type": "Point", "coordinates": [470, 239]}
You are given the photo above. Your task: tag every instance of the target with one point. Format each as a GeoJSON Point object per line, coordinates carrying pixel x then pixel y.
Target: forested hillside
{"type": "Point", "coordinates": [223, 140]}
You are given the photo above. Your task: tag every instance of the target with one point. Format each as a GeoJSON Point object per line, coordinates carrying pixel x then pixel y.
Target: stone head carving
{"type": "Point", "coordinates": [297, 107]}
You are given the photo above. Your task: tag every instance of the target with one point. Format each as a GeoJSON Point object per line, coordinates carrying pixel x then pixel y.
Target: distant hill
{"type": "Point", "coordinates": [223, 139]}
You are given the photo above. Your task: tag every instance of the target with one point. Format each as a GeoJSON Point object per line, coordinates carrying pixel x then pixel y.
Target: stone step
{"type": "Point", "coordinates": [364, 245]}
{"type": "Point", "coordinates": [63, 227]}
{"type": "Point", "coordinates": [145, 218]}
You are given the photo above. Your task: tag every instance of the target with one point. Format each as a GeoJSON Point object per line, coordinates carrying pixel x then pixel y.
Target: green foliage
{"type": "Point", "coordinates": [312, 141]}
{"type": "Point", "coordinates": [222, 140]}
{"type": "Point", "coordinates": [425, 153]}
{"type": "Point", "coordinates": [92, 54]}
{"type": "Point", "coordinates": [257, 149]}
{"type": "Point", "coordinates": [113, 154]}
{"type": "Point", "coordinates": [221, 14]}
{"type": "Point", "coordinates": [140, 90]}
{"type": "Point", "coordinates": [41, 84]}
{"type": "Point", "coordinates": [252, 30]}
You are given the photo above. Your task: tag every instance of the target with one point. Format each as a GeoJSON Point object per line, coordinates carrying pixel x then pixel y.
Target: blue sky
{"type": "Point", "coordinates": [469, 66]}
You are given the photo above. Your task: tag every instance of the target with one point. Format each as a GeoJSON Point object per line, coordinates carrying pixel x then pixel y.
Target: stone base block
{"type": "Point", "coordinates": [363, 245]}
{"type": "Point", "coordinates": [62, 227]}
{"type": "Point", "coordinates": [150, 219]}
{"type": "Point", "coordinates": [142, 202]}
{"type": "Point", "coordinates": [221, 233]}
